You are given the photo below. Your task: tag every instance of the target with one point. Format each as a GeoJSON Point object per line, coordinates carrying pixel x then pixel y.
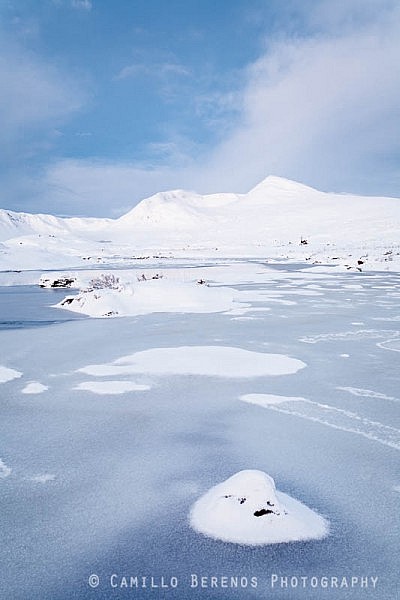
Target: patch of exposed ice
{"type": "Point", "coordinates": [217, 361]}
{"type": "Point", "coordinates": [337, 418]}
{"type": "Point", "coordinates": [7, 374]}
{"type": "Point", "coordinates": [247, 509]}
{"type": "Point", "coordinates": [34, 387]}
{"type": "Point", "coordinates": [111, 387]}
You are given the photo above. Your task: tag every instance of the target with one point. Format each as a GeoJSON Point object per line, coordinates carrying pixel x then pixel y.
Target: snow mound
{"type": "Point", "coordinates": [150, 296]}
{"type": "Point", "coordinates": [7, 374]}
{"type": "Point", "coordinates": [34, 387]}
{"type": "Point", "coordinates": [247, 509]}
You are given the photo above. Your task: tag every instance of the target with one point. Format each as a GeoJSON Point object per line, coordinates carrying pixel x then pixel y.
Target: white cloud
{"type": "Point", "coordinates": [321, 109]}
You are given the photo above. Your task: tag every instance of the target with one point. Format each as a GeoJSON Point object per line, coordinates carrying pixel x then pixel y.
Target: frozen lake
{"type": "Point", "coordinates": [103, 483]}
{"type": "Point", "coordinates": [26, 306]}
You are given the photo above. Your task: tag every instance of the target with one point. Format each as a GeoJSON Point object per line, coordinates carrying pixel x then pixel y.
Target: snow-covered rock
{"type": "Point", "coordinates": [148, 296]}
{"type": "Point", "coordinates": [247, 509]}
{"type": "Point", "coordinates": [57, 281]}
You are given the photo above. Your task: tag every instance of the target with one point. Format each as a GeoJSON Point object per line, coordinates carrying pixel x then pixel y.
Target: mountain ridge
{"type": "Point", "coordinates": [276, 213]}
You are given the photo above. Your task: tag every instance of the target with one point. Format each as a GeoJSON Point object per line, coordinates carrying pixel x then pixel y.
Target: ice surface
{"type": "Point", "coordinates": [247, 509]}
{"type": "Point", "coordinates": [329, 416]}
{"type": "Point", "coordinates": [126, 468]}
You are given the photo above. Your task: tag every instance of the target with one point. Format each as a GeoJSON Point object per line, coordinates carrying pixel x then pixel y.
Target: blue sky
{"type": "Point", "coordinates": [104, 103]}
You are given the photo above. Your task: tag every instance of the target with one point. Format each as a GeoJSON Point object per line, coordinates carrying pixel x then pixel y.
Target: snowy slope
{"type": "Point", "coordinates": [269, 221]}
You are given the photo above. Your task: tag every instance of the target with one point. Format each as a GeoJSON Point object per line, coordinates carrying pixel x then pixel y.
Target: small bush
{"type": "Point", "coordinates": [105, 281]}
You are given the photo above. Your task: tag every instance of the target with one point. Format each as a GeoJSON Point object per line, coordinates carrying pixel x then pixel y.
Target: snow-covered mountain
{"type": "Point", "coordinates": [271, 220]}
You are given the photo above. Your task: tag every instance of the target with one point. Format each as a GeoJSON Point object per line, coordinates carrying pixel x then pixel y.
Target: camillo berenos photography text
{"type": "Point", "coordinates": [198, 581]}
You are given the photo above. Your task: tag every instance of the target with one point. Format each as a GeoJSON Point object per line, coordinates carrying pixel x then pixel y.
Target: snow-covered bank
{"type": "Point", "coordinates": [247, 509]}
{"type": "Point", "coordinates": [147, 296]}
{"type": "Point", "coordinates": [278, 220]}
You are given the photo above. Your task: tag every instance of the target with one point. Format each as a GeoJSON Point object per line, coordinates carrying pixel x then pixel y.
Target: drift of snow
{"type": "Point", "coordinates": [214, 361]}
{"type": "Point", "coordinates": [34, 387]}
{"type": "Point", "coordinates": [112, 387]}
{"type": "Point", "coordinates": [247, 509]}
{"type": "Point", "coordinates": [7, 374]}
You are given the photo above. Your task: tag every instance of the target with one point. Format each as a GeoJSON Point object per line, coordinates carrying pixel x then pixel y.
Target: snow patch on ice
{"type": "Point", "coordinates": [393, 345]}
{"type": "Point", "coordinates": [390, 319]}
{"type": "Point", "coordinates": [351, 335]}
{"type": "Point", "coordinates": [45, 478]}
{"type": "Point", "coordinates": [4, 470]}
{"type": "Point", "coordinates": [34, 387]}
{"type": "Point", "coordinates": [337, 418]}
{"type": "Point", "coordinates": [7, 374]}
{"type": "Point", "coordinates": [367, 393]}
{"type": "Point", "coordinates": [247, 509]}
{"type": "Point", "coordinates": [217, 361]}
{"type": "Point", "coordinates": [268, 399]}
{"type": "Point", "coordinates": [111, 387]}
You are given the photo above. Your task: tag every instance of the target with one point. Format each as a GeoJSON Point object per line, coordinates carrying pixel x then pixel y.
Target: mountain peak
{"type": "Point", "coordinates": [273, 183]}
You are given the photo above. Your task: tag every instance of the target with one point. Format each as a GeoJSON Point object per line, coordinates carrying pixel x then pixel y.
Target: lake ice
{"type": "Point", "coordinates": [103, 483]}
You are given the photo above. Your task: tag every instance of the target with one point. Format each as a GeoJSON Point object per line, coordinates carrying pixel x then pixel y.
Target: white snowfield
{"type": "Point", "coordinates": [247, 509]}
{"type": "Point", "coordinates": [271, 221]}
